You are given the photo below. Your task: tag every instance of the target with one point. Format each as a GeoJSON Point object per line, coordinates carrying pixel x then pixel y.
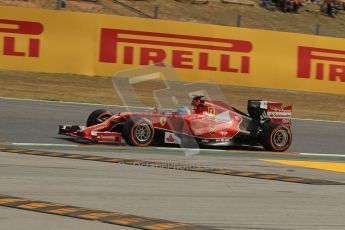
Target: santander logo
{"type": "Point", "coordinates": [170, 139]}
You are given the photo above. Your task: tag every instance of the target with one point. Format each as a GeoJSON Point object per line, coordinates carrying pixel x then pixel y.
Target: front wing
{"type": "Point", "coordinates": [97, 136]}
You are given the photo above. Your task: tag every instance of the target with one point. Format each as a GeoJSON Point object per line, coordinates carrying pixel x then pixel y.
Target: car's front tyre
{"type": "Point", "coordinates": [138, 131]}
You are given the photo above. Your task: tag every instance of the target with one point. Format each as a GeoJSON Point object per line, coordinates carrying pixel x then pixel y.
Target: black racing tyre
{"type": "Point", "coordinates": [98, 116]}
{"type": "Point", "coordinates": [276, 137]}
{"type": "Point", "coordinates": [138, 131]}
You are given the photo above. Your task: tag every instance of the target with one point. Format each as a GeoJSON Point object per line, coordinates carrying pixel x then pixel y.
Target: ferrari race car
{"type": "Point", "coordinates": [204, 123]}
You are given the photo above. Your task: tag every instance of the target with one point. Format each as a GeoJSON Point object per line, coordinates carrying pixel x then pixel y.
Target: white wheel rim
{"type": "Point", "coordinates": [142, 132]}
{"type": "Point", "coordinates": [281, 138]}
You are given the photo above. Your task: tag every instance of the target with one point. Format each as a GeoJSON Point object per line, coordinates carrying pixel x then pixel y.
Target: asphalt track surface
{"type": "Point", "coordinates": [37, 122]}
{"type": "Point", "coordinates": [211, 200]}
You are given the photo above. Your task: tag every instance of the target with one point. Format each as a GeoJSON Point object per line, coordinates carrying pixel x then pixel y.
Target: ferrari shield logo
{"type": "Point", "coordinates": [211, 111]}
{"type": "Point", "coordinates": [163, 121]}
{"type": "Point", "coordinates": [212, 129]}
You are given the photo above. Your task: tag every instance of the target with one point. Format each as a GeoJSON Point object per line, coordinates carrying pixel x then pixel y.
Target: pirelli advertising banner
{"type": "Point", "coordinates": [101, 45]}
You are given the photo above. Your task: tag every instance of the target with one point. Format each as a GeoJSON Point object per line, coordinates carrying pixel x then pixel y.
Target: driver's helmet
{"type": "Point", "coordinates": [196, 103]}
{"type": "Point", "coordinates": [183, 110]}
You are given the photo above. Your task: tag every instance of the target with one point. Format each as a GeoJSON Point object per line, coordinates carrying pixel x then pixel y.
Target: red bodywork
{"type": "Point", "coordinates": [206, 120]}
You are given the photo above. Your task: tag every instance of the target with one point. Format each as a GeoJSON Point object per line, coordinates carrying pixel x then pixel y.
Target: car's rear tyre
{"type": "Point", "coordinates": [276, 137]}
{"type": "Point", "coordinates": [98, 116]}
{"type": "Point", "coordinates": [138, 131]}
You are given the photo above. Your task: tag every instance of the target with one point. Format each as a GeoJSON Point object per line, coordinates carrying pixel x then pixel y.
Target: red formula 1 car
{"type": "Point", "coordinates": [205, 123]}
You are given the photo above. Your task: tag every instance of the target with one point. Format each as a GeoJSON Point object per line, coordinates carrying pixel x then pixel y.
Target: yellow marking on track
{"type": "Point", "coordinates": [166, 226]}
{"type": "Point", "coordinates": [329, 166]}
{"type": "Point", "coordinates": [93, 158]}
{"type": "Point", "coordinates": [65, 210]}
{"type": "Point", "coordinates": [223, 171]}
{"type": "Point", "coordinates": [261, 152]}
{"type": "Point", "coordinates": [35, 152]}
{"type": "Point", "coordinates": [16, 151]}
{"type": "Point", "coordinates": [268, 176]}
{"type": "Point", "coordinates": [94, 216]}
{"type": "Point", "coordinates": [117, 218]}
{"type": "Point", "coordinates": [114, 160]}
{"type": "Point", "coordinates": [72, 156]}
{"type": "Point", "coordinates": [11, 200]}
{"type": "Point", "coordinates": [128, 221]}
{"type": "Point", "coordinates": [246, 174]}
{"type": "Point", "coordinates": [294, 179]}
{"type": "Point", "coordinates": [54, 154]}
{"type": "Point", "coordinates": [200, 169]}
{"type": "Point", "coordinates": [38, 205]}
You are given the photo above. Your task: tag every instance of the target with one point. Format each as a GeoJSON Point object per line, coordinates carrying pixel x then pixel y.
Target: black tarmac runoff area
{"type": "Point", "coordinates": [48, 181]}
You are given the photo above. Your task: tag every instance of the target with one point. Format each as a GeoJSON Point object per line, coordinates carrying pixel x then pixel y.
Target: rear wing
{"type": "Point", "coordinates": [263, 111]}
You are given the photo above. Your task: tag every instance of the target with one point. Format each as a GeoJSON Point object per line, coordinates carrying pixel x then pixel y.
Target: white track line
{"type": "Point", "coordinates": [317, 120]}
{"type": "Point", "coordinates": [44, 144]}
{"type": "Point", "coordinates": [189, 149]}
{"type": "Point", "coordinates": [73, 103]}
{"type": "Point", "coordinates": [74, 145]}
{"type": "Point", "coordinates": [322, 154]}
{"type": "Point", "coordinates": [171, 148]}
{"type": "Point", "coordinates": [135, 107]}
